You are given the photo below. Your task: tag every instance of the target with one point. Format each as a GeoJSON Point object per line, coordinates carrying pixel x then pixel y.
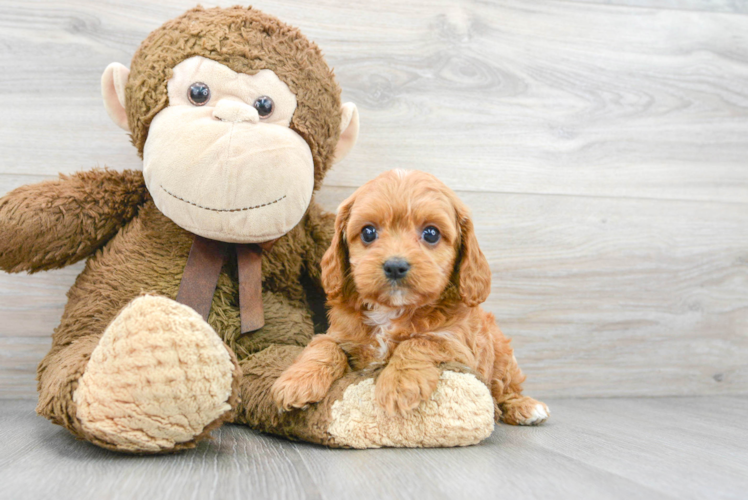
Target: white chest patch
{"type": "Point", "coordinates": [380, 318]}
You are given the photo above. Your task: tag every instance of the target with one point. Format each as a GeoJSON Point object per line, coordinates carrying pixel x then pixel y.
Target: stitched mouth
{"type": "Point", "coordinates": [221, 209]}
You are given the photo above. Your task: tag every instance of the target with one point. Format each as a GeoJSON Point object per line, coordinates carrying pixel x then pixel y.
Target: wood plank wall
{"type": "Point", "coordinates": [603, 146]}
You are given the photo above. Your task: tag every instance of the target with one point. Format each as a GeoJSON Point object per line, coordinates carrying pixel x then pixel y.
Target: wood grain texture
{"type": "Point", "coordinates": [601, 144]}
{"type": "Point", "coordinates": [684, 448]}
{"type": "Point", "coordinates": [727, 6]}
{"type": "Point", "coordinates": [547, 97]}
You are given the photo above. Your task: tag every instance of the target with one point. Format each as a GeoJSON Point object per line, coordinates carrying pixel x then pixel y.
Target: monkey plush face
{"type": "Point", "coordinates": [221, 161]}
{"type": "Point", "coordinates": [237, 118]}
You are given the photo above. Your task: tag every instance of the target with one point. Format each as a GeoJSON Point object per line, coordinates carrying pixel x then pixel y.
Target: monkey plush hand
{"type": "Point", "coordinates": [195, 295]}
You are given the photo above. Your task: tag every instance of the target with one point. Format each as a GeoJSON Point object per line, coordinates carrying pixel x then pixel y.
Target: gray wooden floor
{"type": "Point", "coordinates": [629, 448]}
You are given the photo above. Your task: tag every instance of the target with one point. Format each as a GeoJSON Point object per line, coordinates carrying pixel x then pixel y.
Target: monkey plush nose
{"type": "Point", "coordinates": [234, 111]}
{"type": "Point", "coordinates": [396, 268]}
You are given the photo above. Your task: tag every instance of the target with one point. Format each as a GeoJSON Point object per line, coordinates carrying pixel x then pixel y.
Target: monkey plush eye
{"type": "Point", "coordinates": [264, 106]}
{"type": "Point", "coordinates": [198, 94]}
{"type": "Point", "coordinates": [431, 235]}
{"type": "Point", "coordinates": [368, 234]}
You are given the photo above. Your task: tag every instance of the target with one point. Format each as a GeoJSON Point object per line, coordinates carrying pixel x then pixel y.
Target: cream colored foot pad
{"type": "Point", "coordinates": [460, 412]}
{"type": "Point", "coordinates": [159, 375]}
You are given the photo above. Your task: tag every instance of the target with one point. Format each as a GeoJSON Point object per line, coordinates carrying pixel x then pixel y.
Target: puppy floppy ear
{"type": "Point", "coordinates": [335, 268]}
{"type": "Point", "coordinates": [472, 272]}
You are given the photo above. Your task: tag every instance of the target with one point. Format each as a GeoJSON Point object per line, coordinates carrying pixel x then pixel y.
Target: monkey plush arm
{"type": "Point", "coordinates": [56, 223]}
{"type": "Point", "coordinates": [320, 226]}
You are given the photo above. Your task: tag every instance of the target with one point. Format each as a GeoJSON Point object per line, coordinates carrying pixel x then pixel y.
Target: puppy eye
{"type": "Point", "coordinates": [198, 94]}
{"type": "Point", "coordinates": [368, 234]}
{"type": "Point", "coordinates": [431, 235]}
{"type": "Point", "coordinates": [264, 106]}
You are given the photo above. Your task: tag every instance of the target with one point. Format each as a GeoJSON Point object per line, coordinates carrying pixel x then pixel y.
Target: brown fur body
{"type": "Point", "coordinates": [147, 254]}
{"type": "Point", "coordinates": [108, 218]}
{"type": "Point", "coordinates": [412, 326]}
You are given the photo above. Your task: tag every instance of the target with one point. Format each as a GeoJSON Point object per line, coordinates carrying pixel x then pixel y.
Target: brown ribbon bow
{"type": "Point", "coordinates": [204, 267]}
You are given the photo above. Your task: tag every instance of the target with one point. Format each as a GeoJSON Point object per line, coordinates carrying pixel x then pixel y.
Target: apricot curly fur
{"type": "Point", "coordinates": [409, 327]}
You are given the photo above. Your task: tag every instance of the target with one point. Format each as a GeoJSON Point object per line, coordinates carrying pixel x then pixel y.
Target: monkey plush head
{"type": "Point", "coordinates": [237, 117]}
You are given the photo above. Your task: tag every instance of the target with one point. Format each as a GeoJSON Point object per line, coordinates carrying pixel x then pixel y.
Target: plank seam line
{"type": "Point", "coordinates": [580, 195]}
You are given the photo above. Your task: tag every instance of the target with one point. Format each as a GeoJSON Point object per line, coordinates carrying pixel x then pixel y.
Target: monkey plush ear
{"type": "Point", "coordinates": [348, 131]}
{"type": "Point", "coordinates": [113, 83]}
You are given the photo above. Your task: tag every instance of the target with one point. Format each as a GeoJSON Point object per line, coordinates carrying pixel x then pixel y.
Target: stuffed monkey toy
{"type": "Point", "coordinates": [201, 269]}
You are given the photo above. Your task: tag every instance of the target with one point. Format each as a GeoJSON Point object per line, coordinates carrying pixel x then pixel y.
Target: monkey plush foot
{"type": "Point", "coordinates": [459, 412]}
{"type": "Point", "coordinates": [159, 380]}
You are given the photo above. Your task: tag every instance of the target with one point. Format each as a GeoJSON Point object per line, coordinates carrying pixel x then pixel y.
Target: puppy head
{"type": "Point", "coordinates": [404, 239]}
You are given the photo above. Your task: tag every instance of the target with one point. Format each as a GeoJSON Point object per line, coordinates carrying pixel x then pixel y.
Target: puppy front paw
{"type": "Point", "coordinates": [400, 391]}
{"type": "Point", "coordinates": [298, 387]}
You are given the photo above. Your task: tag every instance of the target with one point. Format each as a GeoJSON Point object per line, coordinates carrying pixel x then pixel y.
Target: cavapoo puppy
{"type": "Point", "coordinates": [405, 278]}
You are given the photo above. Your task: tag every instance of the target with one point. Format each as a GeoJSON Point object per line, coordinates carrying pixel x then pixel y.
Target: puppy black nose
{"type": "Point", "coordinates": [396, 268]}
